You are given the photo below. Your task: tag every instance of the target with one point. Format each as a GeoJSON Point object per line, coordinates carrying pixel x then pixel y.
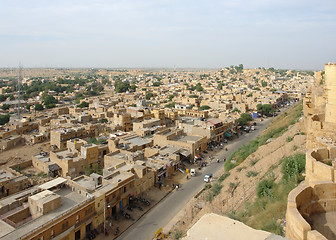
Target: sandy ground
{"type": "Point", "coordinates": [22, 153]}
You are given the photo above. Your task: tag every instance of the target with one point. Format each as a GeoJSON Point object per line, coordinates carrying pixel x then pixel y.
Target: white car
{"type": "Point", "coordinates": [207, 177]}
{"type": "Point", "coordinates": [193, 172]}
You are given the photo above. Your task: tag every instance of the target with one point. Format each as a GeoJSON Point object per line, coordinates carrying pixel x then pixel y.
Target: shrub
{"type": "Point", "coordinates": [228, 166]}
{"type": "Point", "coordinates": [209, 197]}
{"type": "Point", "coordinates": [223, 177]}
{"type": "Point", "coordinates": [216, 189]}
{"type": "Point", "coordinates": [178, 234]}
{"type": "Point", "coordinates": [265, 188]}
{"type": "Point", "coordinates": [272, 226]}
{"type": "Point", "coordinates": [253, 162]}
{"type": "Point", "coordinates": [289, 139]}
{"type": "Point", "coordinates": [293, 167]}
{"type": "Point", "coordinates": [251, 174]}
{"type": "Point", "coordinates": [240, 169]}
{"type": "Point", "coordinates": [207, 186]}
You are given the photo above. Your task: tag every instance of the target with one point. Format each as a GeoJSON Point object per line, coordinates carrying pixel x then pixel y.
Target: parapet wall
{"type": "Point", "coordinates": [304, 201]}
{"type": "Point", "coordinates": [317, 168]}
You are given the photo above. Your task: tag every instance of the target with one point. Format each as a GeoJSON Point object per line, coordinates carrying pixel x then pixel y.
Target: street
{"type": "Point", "coordinates": [164, 211]}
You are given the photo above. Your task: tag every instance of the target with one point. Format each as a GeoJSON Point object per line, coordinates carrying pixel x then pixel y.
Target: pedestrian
{"type": "Point", "coordinates": [177, 186]}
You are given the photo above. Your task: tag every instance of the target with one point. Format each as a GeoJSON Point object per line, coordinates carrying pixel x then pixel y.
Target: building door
{"type": "Point", "coordinates": [88, 228]}
{"type": "Point", "coordinates": [114, 210]}
{"type": "Point", "coordinates": [77, 235]}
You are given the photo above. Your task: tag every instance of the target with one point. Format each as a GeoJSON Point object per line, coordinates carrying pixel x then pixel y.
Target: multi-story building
{"type": "Point", "coordinates": [11, 182]}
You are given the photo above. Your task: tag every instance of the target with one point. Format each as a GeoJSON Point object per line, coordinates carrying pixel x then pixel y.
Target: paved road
{"type": "Point", "coordinates": [162, 213]}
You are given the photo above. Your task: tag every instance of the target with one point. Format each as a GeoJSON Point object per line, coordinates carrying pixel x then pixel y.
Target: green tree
{"type": "Point", "coordinates": [235, 110]}
{"type": "Point", "coordinates": [149, 95]}
{"type": "Point", "coordinates": [157, 84]}
{"type": "Point", "coordinates": [2, 98]}
{"type": "Point", "coordinates": [121, 86]}
{"type": "Point", "coordinates": [263, 83]}
{"type": "Point", "coordinates": [171, 96]}
{"type": "Point", "coordinates": [204, 107]}
{"type": "Point", "coordinates": [49, 101]}
{"type": "Point", "coordinates": [244, 119]}
{"type": "Point", "coordinates": [83, 104]}
{"type": "Point", "coordinates": [4, 119]}
{"type": "Point", "coordinates": [38, 107]}
{"type": "Point", "coordinates": [5, 106]}
{"type": "Point", "coordinates": [103, 120]}
{"type": "Point", "coordinates": [199, 87]}
{"type": "Point", "coordinates": [265, 109]}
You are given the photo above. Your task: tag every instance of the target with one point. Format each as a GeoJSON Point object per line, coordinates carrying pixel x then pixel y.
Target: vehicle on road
{"type": "Point", "coordinates": [193, 172]}
{"type": "Point", "coordinates": [207, 177]}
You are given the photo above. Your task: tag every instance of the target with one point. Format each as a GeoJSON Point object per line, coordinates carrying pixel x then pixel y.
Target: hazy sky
{"type": "Point", "coordinates": [295, 34]}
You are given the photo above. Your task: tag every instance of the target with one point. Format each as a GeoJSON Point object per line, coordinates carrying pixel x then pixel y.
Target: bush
{"type": "Point", "coordinates": [228, 166]}
{"type": "Point", "coordinates": [178, 234]}
{"type": "Point", "coordinates": [289, 139]}
{"type": "Point", "coordinates": [223, 177]}
{"type": "Point", "coordinates": [273, 227]}
{"type": "Point", "coordinates": [207, 186]}
{"type": "Point", "coordinates": [293, 167]}
{"type": "Point", "coordinates": [253, 162]}
{"type": "Point", "coordinates": [251, 174]}
{"type": "Point", "coordinates": [209, 197]}
{"type": "Point", "coordinates": [265, 188]}
{"type": "Point", "coordinates": [216, 189]}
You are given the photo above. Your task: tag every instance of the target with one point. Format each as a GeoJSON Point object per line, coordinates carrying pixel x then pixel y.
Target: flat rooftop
{"type": "Point", "coordinates": [188, 139]}
{"type": "Point", "coordinates": [70, 199]}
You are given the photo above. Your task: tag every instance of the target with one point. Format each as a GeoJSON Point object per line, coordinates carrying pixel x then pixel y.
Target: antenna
{"type": "Point", "coordinates": [19, 90]}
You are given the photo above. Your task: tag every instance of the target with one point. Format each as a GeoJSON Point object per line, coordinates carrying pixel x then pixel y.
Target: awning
{"type": "Point", "coordinates": [52, 183]}
{"type": "Point", "coordinates": [185, 153]}
{"type": "Point", "coordinates": [228, 134]}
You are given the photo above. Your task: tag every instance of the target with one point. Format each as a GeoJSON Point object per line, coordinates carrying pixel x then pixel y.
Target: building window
{"type": "Point", "coordinates": [52, 233]}
{"type": "Point", "coordinates": [77, 219]}
{"type": "Point", "coordinates": [124, 189]}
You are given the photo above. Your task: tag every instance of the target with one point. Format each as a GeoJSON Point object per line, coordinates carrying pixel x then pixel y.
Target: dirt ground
{"type": "Point", "coordinates": [22, 153]}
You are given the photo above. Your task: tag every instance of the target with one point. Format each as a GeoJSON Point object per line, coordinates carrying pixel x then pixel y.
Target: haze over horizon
{"type": "Point", "coordinates": [168, 33]}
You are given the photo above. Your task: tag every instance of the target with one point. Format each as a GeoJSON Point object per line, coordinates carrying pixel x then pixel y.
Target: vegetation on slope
{"type": "Point", "coordinates": [278, 127]}
{"type": "Point", "coordinates": [270, 205]}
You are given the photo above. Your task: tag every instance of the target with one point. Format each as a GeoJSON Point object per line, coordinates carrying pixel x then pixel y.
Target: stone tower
{"type": "Point", "coordinates": [330, 87]}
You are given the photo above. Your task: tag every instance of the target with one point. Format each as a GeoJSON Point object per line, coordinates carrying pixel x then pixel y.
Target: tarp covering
{"type": "Point", "coordinates": [228, 134]}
